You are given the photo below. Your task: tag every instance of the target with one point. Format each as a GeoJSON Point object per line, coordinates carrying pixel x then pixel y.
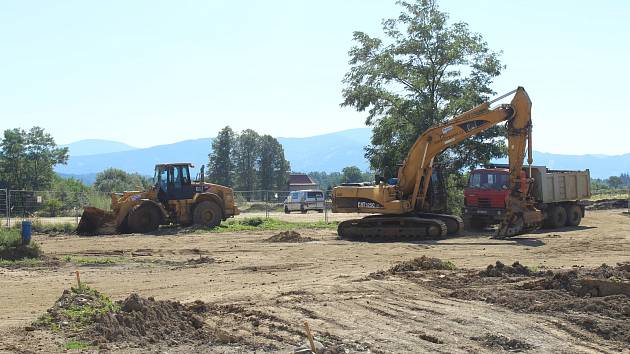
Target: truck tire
{"type": "Point", "coordinates": [143, 218]}
{"type": "Point", "coordinates": [557, 217]}
{"type": "Point", "coordinates": [207, 214]}
{"type": "Point", "coordinates": [302, 210]}
{"type": "Point", "coordinates": [286, 210]}
{"type": "Point", "coordinates": [574, 215]}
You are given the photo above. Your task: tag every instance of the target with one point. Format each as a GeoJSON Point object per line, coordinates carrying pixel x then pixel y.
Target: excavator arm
{"type": "Point", "coordinates": [414, 174]}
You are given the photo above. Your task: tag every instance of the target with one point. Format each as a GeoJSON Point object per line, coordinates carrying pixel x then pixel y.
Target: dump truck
{"type": "Point", "coordinates": [413, 205]}
{"type": "Point", "coordinates": [560, 195]}
{"type": "Point", "coordinates": [174, 198]}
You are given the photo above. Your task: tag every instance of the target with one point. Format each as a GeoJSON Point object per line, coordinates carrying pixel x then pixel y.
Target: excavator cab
{"type": "Point", "coordinates": [173, 181]}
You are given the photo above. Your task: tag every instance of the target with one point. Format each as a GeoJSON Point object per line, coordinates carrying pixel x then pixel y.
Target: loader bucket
{"type": "Point", "coordinates": [95, 221]}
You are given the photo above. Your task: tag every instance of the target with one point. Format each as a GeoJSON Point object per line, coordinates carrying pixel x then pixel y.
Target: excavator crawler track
{"type": "Point", "coordinates": [392, 228]}
{"type": "Point", "coordinates": [454, 223]}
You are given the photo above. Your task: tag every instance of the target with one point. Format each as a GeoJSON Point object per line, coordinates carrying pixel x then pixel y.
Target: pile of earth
{"type": "Point", "coordinates": [608, 204]}
{"type": "Point", "coordinates": [501, 270]}
{"type": "Point", "coordinates": [289, 236]}
{"type": "Point", "coordinates": [88, 315]}
{"type": "Point", "coordinates": [201, 260]}
{"type": "Point", "coordinates": [596, 299]}
{"type": "Point", "coordinates": [417, 264]}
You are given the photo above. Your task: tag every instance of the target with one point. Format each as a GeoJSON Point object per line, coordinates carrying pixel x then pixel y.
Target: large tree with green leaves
{"type": "Point", "coordinates": [246, 155]}
{"type": "Point", "coordinates": [272, 166]}
{"type": "Point", "coordinates": [424, 71]}
{"type": "Point", "coordinates": [27, 159]}
{"type": "Point", "coordinates": [220, 160]}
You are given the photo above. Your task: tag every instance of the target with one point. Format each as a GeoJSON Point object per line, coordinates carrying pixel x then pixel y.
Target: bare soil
{"type": "Point", "coordinates": [252, 294]}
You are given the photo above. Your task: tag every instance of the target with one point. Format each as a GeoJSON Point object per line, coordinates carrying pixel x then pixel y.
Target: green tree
{"type": "Point", "coordinates": [351, 174]}
{"type": "Point", "coordinates": [220, 160]}
{"type": "Point", "coordinates": [27, 159]}
{"type": "Point", "coordinates": [246, 154]}
{"type": "Point", "coordinates": [426, 71]}
{"type": "Point", "coordinates": [615, 182]}
{"type": "Point", "coordinates": [116, 180]}
{"type": "Point", "coordinates": [281, 167]}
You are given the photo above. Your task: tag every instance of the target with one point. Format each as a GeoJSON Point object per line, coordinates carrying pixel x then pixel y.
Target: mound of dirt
{"type": "Point", "coordinates": [143, 320]}
{"type": "Point", "coordinates": [604, 204]}
{"type": "Point", "coordinates": [501, 270]}
{"type": "Point", "coordinates": [421, 263]}
{"type": "Point", "coordinates": [594, 299]}
{"type": "Point", "coordinates": [201, 260]}
{"type": "Point", "coordinates": [289, 236]}
{"type": "Point", "coordinates": [75, 309]}
{"type": "Point", "coordinates": [498, 341]}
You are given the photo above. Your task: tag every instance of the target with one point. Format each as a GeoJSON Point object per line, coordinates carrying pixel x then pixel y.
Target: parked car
{"type": "Point", "coordinates": [304, 201]}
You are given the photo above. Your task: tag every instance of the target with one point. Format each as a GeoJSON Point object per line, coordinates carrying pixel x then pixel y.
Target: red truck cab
{"type": "Point", "coordinates": [485, 196]}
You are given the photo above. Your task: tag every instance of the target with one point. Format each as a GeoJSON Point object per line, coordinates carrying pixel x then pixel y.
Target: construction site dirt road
{"type": "Point", "coordinates": [354, 298]}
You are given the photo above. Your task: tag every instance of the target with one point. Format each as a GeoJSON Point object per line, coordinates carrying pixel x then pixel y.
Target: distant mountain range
{"type": "Point", "coordinates": [96, 146]}
{"type": "Point", "coordinates": [328, 152]}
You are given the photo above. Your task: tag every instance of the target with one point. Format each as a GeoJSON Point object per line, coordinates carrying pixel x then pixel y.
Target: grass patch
{"type": "Point", "coordinates": [76, 344]}
{"type": "Point", "coordinates": [11, 247]}
{"type": "Point", "coordinates": [19, 263]}
{"type": "Point", "coordinates": [255, 224]}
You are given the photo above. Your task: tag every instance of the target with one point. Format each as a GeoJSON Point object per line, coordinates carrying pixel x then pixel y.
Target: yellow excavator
{"type": "Point", "coordinates": [174, 198]}
{"type": "Point", "coordinates": [413, 205]}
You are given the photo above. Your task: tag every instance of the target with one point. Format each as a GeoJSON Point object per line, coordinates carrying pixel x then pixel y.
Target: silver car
{"type": "Point", "coordinates": [304, 201]}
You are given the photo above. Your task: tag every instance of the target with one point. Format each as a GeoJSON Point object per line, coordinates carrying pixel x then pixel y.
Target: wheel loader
{"type": "Point", "coordinates": [173, 199]}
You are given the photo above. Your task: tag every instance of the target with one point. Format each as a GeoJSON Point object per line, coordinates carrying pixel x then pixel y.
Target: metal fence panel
{"type": "Point", "coordinates": [51, 207]}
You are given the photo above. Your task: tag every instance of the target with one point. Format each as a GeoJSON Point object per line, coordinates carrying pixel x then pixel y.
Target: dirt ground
{"type": "Point", "coordinates": [259, 293]}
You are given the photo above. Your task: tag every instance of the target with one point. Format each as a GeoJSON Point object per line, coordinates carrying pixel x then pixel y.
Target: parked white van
{"type": "Point", "coordinates": [304, 201]}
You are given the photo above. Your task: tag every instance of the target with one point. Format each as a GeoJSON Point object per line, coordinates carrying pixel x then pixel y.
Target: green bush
{"type": "Point", "coordinates": [11, 247]}
{"type": "Point", "coordinates": [255, 222]}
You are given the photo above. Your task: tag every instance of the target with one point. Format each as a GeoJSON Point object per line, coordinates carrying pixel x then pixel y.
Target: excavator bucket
{"type": "Point", "coordinates": [95, 221]}
{"type": "Point", "coordinates": [520, 217]}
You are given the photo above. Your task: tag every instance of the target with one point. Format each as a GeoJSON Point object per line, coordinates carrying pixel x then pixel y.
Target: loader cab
{"type": "Point", "coordinates": [173, 181]}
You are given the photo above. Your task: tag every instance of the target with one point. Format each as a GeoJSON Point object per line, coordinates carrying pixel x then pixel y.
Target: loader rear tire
{"type": "Point", "coordinates": [574, 215]}
{"type": "Point", "coordinates": [207, 214]}
{"type": "Point", "coordinates": [143, 218]}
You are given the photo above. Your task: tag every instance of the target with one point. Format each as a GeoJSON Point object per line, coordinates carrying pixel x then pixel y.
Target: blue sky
{"type": "Point", "coordinates": [153, 72]}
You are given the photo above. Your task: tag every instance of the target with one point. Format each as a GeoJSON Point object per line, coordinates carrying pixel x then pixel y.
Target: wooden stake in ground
{"type": "Point", "coordinates": [310, 337]}
{"type": "Point", "coordinates": [78, 279]}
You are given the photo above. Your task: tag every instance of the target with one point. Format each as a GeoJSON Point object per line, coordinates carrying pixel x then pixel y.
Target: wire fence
{"type": "Point", "coordinates": [62, 207]}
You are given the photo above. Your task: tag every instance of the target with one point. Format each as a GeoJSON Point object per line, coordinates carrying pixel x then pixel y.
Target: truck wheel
{"type": "Point", "coordinates": [207, 214]}
{"type": "Point", "coordinates": [286, 210]}
{"type": "Point", "coordinates": [557, 217]}
{"type": "Point", "coordinates": [302, 210]}
{"type": "Point", "coordinates": [143, 218]}
{"type": "Point", "coordinates": [574, 215]}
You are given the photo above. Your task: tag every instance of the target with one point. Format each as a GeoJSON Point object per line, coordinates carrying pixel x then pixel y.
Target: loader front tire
{"type": "Point", "coordinates": [143, 218]}
{"type": "Point", "coordinates": [207, 214]}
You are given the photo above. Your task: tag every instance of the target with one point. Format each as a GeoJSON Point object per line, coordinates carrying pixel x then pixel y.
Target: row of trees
{"type": "Point", "coordinates": [612, 182]}
{"type": "Point", "coordinates": [247, 161]}
{"type": "Point", "coordinates": [350, 174]}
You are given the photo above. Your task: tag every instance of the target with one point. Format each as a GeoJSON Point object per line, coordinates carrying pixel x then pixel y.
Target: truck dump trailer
{"type": "Point", "coordinates": [560, 195]}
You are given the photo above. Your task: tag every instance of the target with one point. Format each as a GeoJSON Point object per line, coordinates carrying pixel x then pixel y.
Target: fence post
{"type": "Point", "coordinates": [266, 204]}
{"type": "Point", "coordinates": [8, 208]}
{"type": "Point", "coordinates": [326, 208]}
